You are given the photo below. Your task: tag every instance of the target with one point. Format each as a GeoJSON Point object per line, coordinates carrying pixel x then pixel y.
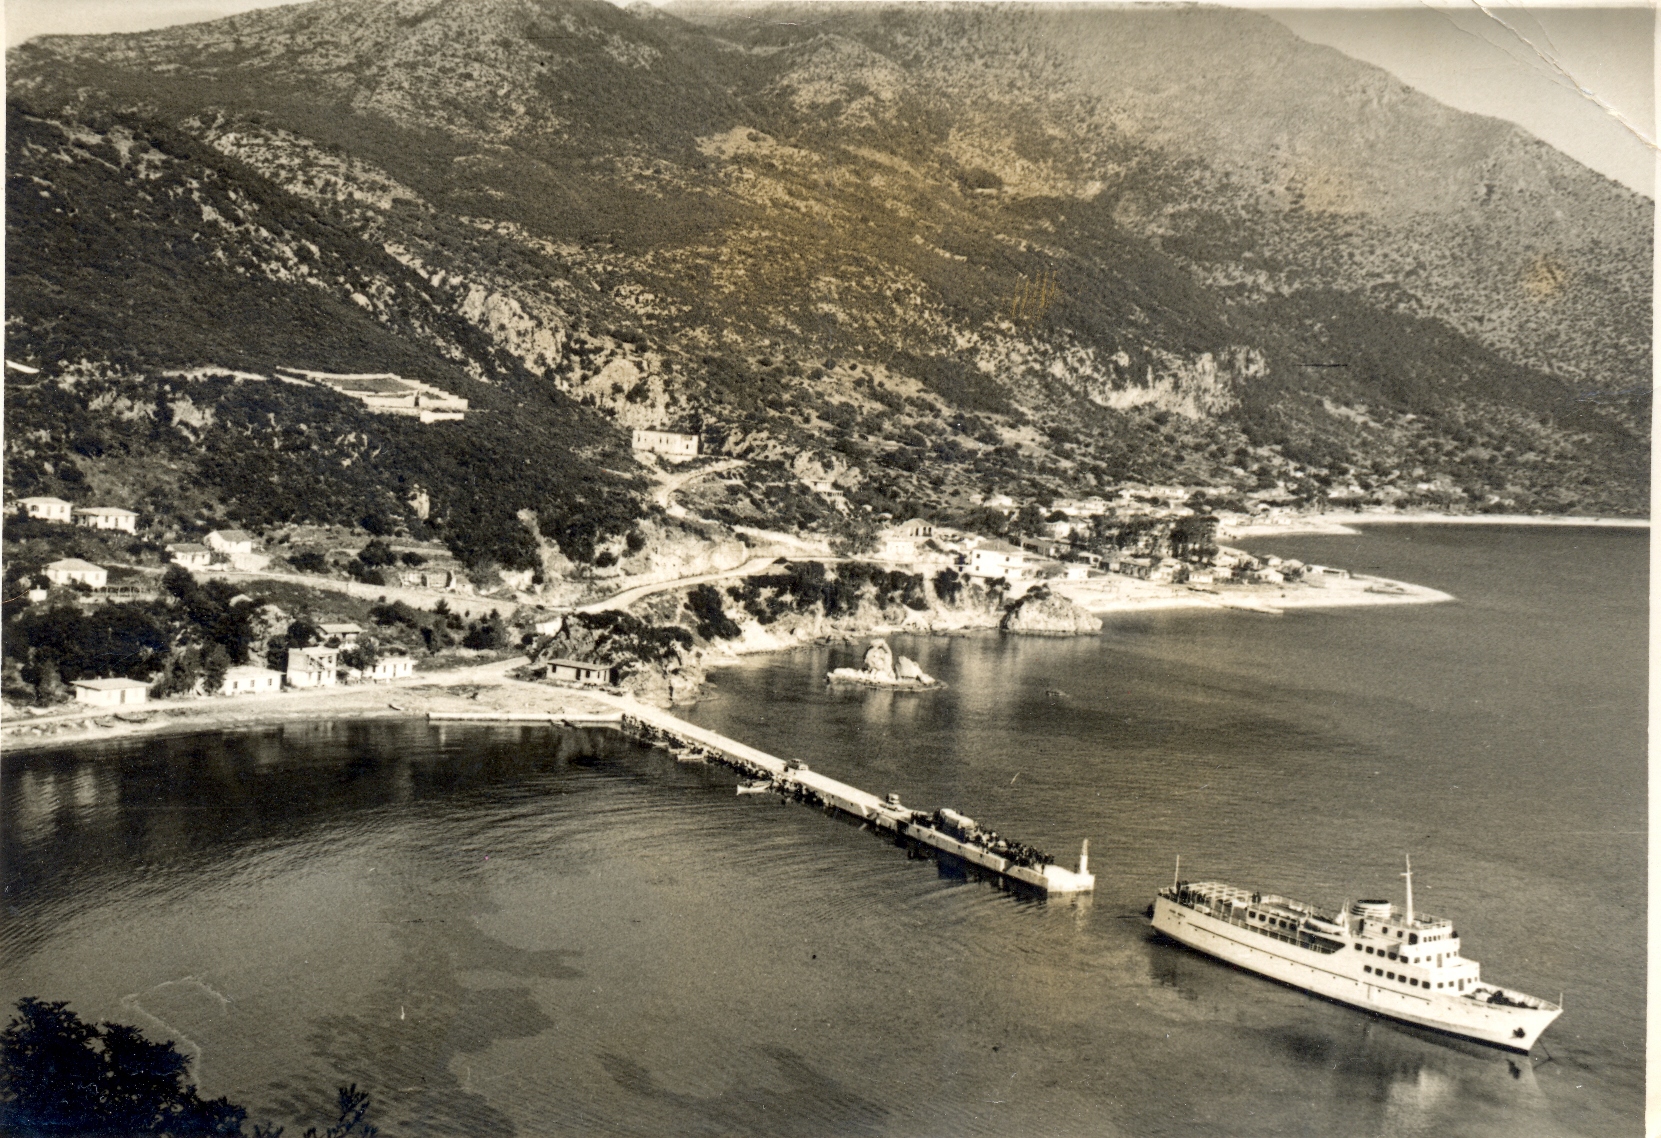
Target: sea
{"type": "Point", "coordinates": [520, 930]}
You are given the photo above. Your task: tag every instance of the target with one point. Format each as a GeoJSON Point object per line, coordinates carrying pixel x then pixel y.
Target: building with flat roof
{"type": "Point", "coordinates": [994, 559]}
{"type": "Point", "coordinates": [246, 679]}
{"type": "Point", "coordinates": [392, 668]}
{"type": "Point", "coordinates": [582, 672]}
{"type": "Point", "coordinates": [670, 444]}
{"type": "Point", "coordinates": [114, 692]}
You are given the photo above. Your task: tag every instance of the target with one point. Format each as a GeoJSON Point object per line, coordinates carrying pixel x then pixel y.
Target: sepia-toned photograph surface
{"type": "Point", "coordinates": [807, 570]}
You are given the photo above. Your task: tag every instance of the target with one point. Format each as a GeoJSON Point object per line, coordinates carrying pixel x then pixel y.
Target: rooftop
{"type": "Point", "coordinates": [75, 565]}
{"type": "Point", "coordinates": [110, 511]}
{"type": "Point", "coordinates": [111, 684]}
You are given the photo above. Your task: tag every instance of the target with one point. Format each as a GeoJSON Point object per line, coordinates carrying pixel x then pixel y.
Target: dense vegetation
{"type": "Point", "coordinates": [788, 263]}
{"type": "Point", "coordinates": [254, 292]}
{"type": "Point", "coordinates": [60, 1075]}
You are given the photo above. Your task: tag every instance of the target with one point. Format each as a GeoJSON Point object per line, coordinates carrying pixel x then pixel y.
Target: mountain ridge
{"type": "Point", "coordinates": [913, 240]}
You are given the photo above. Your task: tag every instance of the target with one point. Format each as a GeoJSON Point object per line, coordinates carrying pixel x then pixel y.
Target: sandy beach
{"type": "Point", "coordinates": [1105, 596]}
{"type": "Point", "coordinates": [1342, 522]}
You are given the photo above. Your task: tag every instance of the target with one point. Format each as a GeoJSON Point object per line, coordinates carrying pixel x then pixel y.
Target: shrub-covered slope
{"type": "Point", "coordinates": [939, 251]}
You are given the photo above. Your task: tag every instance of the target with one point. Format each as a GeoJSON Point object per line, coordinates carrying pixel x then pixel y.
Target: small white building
{"type": "Point", "coordinates": [670, 444]}
{"type": "Point", "coordinates": [392, 668]}
{"type": "Point", "coordinates": [246, 679]}
{"type": "Point", "coordinates": [581, 672]}
{"type": "Point", "coordinates": [111, 692]}
{"type": "Point", "coordinates": [190, 554]}
{"type": "Point", "coordinates": [312, 667]}
{"type": "Point", "coordinates": [107, 517]}
{"type": "Point", "coordinates": [72, 570]}
{"type": "Point", "coordinates": [993, 559]}
{"type": "Point", "coordinates": [908, 540]}
{"type": "Point", "coordinates": [230, 541]}
{"type": "Point", "coordinates": [345, 633]}
{"type": "Point", "coordinates": [46, 509]}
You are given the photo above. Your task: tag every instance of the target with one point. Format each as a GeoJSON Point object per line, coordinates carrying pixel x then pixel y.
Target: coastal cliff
{"type": "Point", "coordinates": [1042, 613]}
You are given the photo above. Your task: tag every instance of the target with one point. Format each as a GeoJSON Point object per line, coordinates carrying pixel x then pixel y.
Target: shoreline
{"type": "Point", "coordinates": [488, 687]}
{"type": "Point", "coordinates": [1341, 522]}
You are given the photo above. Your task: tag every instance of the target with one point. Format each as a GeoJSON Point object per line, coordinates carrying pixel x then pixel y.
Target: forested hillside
{"type": "Point", "coordinates": [935, 253]}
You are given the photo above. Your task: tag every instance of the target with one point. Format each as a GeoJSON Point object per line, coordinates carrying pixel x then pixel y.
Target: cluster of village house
{"type": "Point", "coordinates": [223, 549]}
{"type": "Point", "coordinates": [317, 667]}
{"type": "Point", "coordinates": [921, 544]}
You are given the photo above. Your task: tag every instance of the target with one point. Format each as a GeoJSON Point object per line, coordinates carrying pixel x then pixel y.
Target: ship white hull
{"type": "Point", "coordinates": [1334, 977]}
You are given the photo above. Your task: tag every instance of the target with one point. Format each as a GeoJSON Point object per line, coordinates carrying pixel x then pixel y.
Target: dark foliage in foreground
{"type": "Point", "coordinates": [60, 1075]}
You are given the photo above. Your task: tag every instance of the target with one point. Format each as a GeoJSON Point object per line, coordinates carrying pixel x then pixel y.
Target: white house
{"type": "Point", "coordinates": [46, 509]}
{"type": "Point", "coordinates": [111, 692]}
{"type": "Point", "coordinates": [993, 559]}
{"type": "Point", "coordinates": [392, 668]}
{"type": "Point", "coordinates": [347, 633]}
{"type": "Point", "coordinates": [582, 672]}
{"type": "Point", "coordinates": [312, 667]}
{"type": "Point", "coordinates": [670, 444]}
{"type": "Point", "coordinates": [190, 554]}
{"type": "Point", "coordinates": [907, 541]}
{"type": "Point", "coordinates": [230, 541]}
{"type": "Point", "coordinates": [246, 679]}
{"type": "Point", "coordinates": [107, 517]}
{"type": "Point", "coordinates": [73, 569]}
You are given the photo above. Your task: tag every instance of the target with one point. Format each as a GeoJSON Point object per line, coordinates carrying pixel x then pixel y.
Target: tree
{"type": "Point", "coordinates": [178, 581]}
{"type": "Point", "coordinates": [215, 663]}
{"type": "Point", "coordinates": [490, 633]}
{"type": "Point", "coordinates": [704, 602]}
{"type": "Point", "coordinates": [377, 553]}
{"type": "Point", "coordinates": [60, 1075]}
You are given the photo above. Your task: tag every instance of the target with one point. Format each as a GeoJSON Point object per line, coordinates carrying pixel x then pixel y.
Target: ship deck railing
{"type": "Point", "coordinates": [1313, 942]}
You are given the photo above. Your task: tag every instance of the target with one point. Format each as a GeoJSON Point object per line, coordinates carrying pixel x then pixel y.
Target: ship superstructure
{"type": "Point", "coordinates": [1369, 954]}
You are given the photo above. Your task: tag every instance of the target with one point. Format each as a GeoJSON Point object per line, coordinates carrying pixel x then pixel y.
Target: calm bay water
{"type": "Point", "coordinates": [523, 930]}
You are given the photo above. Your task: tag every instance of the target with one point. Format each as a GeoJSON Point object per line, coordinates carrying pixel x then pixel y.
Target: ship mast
{"type": "Point", "coordinates": [1409, 876]}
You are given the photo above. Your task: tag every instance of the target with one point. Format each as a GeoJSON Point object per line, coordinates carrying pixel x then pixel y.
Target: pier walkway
{"type": "Point", "coordinates": [945, 831]}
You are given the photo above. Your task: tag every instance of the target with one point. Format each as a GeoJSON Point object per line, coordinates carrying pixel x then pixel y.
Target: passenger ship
{"type": "Point", "coordinates": [1370, 955]}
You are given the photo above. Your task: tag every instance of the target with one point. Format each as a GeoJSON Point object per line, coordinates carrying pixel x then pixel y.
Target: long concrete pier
{"type": "Point", "coordinates": [944, 831]}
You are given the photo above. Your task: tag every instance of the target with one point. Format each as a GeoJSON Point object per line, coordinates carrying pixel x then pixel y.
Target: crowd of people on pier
{"type": "Point", "coordinates": [949, 822]}
{"type": "Point", "coordinates": [966, 830]}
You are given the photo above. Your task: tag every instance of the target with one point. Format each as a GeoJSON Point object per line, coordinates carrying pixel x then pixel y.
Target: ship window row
{"type": "Point", "coordinates": [1406, 979]}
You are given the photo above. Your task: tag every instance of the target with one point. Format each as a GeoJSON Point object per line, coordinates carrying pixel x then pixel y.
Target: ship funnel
{"type": "Point", "coordinates": [1084, 858]}
{"type": "Point", "coordinates": [1371, 910]}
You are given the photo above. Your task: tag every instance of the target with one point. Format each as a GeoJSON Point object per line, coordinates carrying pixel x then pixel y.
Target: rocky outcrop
{"type": "Point", "coordinates": [1043, 613]}
{"type": "Point", "coordinates": [882, 670]}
